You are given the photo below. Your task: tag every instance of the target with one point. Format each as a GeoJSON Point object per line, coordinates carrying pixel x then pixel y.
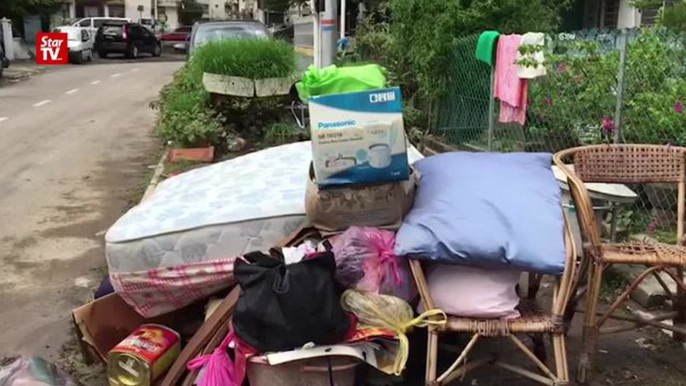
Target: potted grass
{"type": "Point", "coordinates": [247, 67]}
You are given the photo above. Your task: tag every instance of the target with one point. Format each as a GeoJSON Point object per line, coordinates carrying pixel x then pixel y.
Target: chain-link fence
{"type": "Point", "coordinates": [601, 86]}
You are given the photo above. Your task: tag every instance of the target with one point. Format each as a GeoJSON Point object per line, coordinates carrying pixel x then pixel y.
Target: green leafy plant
{"type": "Point", "coordinates": [185, 118]}
{"type": "Point", "coordinates": [249, 58]}
{"type": "Point", "coordinates": [575, 102]}
{"type": "Point", "coordinates": [674, 16]}
{"type": "Point", "coordinates": [418, 40]}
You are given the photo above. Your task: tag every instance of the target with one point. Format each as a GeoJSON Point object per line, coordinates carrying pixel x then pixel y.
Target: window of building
{"type": "Point", "coordinates": [649, 16]}
{"type": "Point", "coordinates": [609, 13]}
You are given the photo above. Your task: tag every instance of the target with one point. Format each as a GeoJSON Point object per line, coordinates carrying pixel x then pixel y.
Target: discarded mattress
{"type": "Point", "coordinates": [178, 246]}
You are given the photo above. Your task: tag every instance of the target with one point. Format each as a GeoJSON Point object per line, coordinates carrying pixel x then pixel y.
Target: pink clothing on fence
{"type": "Point", "coordinates": [508, 87]}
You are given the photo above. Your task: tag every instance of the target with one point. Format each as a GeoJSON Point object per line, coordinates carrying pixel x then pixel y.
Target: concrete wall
{"type": "Point", "coordinates": [629, 16]}
{"type": "Point", "coordinates": [216, 9]}
{"type": "Point", "coordinates": [131, 9]}
{"type": "Point", "coordinates": [172, 18]}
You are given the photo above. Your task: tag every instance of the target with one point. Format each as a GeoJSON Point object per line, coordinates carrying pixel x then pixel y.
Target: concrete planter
{"type": "Point", "coordinates": [273, 86]}
{"type": "Point", "coordinates": [228, 85]}
{"type": "Point", "coordinates": [244, 87]}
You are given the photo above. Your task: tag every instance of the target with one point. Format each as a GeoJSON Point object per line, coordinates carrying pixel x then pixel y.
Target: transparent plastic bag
{"type": "Point", "coordinates": [393, 313]}
{"type": "Point", "coordinates": [33, 371]}
{"type": "Point", "coordinates": [365, 261]}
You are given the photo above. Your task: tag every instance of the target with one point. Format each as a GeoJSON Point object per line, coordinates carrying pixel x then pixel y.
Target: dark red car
{"type": "Point", "coordinates": [179, 35]}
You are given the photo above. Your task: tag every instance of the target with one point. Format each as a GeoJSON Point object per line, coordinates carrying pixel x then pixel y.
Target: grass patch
{"type": "Point", "coordinates": [248, 58]}
{"type": "Point", "coordinates": [281, 133]}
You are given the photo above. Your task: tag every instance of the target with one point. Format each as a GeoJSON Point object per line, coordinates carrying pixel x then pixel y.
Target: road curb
{"type": "Point", "coordinates": [22, 75]}
{"type": "Point", "coordinates": [155, 177]}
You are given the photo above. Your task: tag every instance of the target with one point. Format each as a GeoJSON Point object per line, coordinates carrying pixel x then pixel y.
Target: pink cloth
{"type": "Point", "coordinates": [473, 292]}
{"type": "Point", "coordinates": [161, 290]}
{"type": "Point", "coordinates": [508, 87]}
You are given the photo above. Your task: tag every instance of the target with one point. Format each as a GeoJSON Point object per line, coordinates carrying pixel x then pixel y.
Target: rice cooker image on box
{"type": "Point", "coordinates": [358, 138]}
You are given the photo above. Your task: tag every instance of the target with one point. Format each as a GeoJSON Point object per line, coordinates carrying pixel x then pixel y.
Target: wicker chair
{"type": "Point", "coordinates": [626, 164]}
{"type": "Point", "coordinates": [532, 322]}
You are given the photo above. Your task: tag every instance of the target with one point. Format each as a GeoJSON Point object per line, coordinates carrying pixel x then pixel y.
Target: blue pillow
{"type": "Point", "coordinates": [487, 210]}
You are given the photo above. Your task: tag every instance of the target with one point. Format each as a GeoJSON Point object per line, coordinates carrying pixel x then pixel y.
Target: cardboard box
{"type": "Point", "coordinates": [104, 322]}
{"type": "Point", "coordinates": [358, 138]}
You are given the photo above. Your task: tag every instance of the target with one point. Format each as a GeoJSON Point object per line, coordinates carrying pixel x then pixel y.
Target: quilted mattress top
{"type": "Point", "coordinates": [264, 184]}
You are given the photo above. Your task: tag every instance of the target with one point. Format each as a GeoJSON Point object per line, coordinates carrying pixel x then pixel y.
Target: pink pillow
{"type": "Point", "coordinates": [474, 292]}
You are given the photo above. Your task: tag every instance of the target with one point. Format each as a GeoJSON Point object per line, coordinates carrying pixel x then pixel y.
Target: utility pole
{"type": "Point", "coordinates": [342, 20]}
{"type": "Point", "coordinates": [154, 13]}
{"type": "Point", "coordinates": [328, 33]}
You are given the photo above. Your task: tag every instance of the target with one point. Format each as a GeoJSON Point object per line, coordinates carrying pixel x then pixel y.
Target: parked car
{"type": "Point", "coordinates": [79, 42]}
{"type": "Point", "coordinates": [130, 39]}
{"type": "Point", "coordinates": [203, 32]}
{"type": "Point", "coordinates": [179, 35]}
{"type": "Point", "coordinates": [151, 24]}
{"type": "Point", "coordinates": [92, 24]}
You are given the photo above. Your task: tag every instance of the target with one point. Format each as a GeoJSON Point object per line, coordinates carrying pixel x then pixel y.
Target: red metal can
{"type": "Point", "coordinates": [143, 356]}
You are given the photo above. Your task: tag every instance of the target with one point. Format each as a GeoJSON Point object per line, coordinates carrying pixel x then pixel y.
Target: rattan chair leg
{"type": "Point", "coordinates": [560, 352]}
{"type": "Point", "coordinates": [578, 290]}
{"type": "Point", "coordinates": [460, 359]}
{"type": "Point", "coordinates": [590, 332]}
{"type": "Point", "coordinates": [541, 366]}
{"type": "Point", "coordinates": [431, 358]}
{"type": "Point", "coordinates": [625, 295]}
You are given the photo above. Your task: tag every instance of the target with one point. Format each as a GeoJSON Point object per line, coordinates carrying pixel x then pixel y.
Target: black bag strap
{"type": "Point", "coordinates": [327, 245]}
{"type": "Point", "coordinates": [262, 260]}
{"type": "Point", "coordinates": [277, 254]}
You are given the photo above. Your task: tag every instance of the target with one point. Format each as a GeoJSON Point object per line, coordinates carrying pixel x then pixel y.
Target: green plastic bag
{"type": "Point", "coordinates": [337, 80]}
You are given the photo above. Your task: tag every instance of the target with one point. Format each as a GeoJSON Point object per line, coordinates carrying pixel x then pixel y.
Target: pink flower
{"type": "Point", "coordinates": [679, 108]}
{"type": "Point", "coordinates": [607, 124]}
{"type": "Point", "coordinates": [561, 67]}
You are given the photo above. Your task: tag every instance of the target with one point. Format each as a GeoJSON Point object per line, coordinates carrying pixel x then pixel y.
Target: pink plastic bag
{"type": "Point", "coordinates": [218, 367]}
{"type": "Point", "coordinates": [365, 261]}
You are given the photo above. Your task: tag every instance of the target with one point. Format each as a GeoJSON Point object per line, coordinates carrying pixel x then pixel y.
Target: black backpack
{"type": "Point", "coordinates": [282, 307]}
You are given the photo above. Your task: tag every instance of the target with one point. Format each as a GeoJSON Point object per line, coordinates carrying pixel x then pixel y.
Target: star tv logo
{"type": "Point", "coordinates": [51, 48]}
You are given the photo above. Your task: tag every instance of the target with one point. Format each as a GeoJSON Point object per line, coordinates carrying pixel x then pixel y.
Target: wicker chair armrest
{"type": "Point", "coordinates": [582, 203]}
{"type": "Point", "coordinates": [565, 287]}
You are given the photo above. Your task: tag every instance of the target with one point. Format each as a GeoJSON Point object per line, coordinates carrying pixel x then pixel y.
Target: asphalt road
{"type": "Point", "coordinates": [76, 144]}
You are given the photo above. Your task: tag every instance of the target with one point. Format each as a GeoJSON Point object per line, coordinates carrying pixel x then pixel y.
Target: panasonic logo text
{"type": "Point", "coordinates": [336, 124]}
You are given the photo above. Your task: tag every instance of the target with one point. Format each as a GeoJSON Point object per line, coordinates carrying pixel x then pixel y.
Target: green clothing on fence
{"type": "Point", "coordinates": [337, 80]}
{"type": "Point", "coordinates": [485, 47]}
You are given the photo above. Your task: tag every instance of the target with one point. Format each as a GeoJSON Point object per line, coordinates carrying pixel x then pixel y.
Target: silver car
{"type": "Point", "coordinates": [204, 32]}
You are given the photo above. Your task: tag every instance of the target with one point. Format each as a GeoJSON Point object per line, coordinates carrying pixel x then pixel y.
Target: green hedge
{"type": "Point", "coordinates": [185, 116]}
{"type": "Point", "coordinates": [249, 58]}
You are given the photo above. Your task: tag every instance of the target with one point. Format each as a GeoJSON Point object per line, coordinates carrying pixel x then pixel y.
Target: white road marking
{"type": "Point", "coordinates": [95, 82]}
{"type": "Point", "coordinates": [4, 118]}
{"type": "Point", "coordinates": [116, 75]}
{"type": "Point", "coordinates": [134, 70]}
{"type": "Point", "coordinates": [72, 91]}
{"type": "Point", "coordinates": [41, 103]}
